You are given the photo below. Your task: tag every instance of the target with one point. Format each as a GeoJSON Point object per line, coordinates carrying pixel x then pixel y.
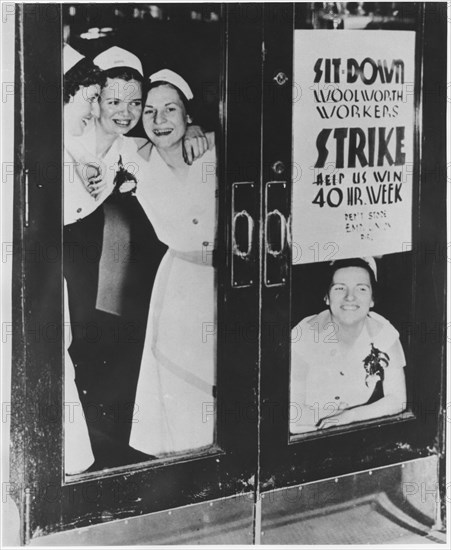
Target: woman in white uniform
{"type": "Point", "coordinates": [81, 92]}
{"type": "Point", "coordinates": [340, 354]}
{"type": "Point", "coordinates": [97, 282]}
{"type": "Point", "coordinates": [175, 395]}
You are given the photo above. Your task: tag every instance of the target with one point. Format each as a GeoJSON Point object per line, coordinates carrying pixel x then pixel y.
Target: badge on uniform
{"type": "Point", "coordinates": [125, 182]}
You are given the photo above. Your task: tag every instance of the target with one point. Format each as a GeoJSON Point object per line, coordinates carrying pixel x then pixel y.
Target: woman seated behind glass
{"type": "Point", "coordinates": [340, 354]}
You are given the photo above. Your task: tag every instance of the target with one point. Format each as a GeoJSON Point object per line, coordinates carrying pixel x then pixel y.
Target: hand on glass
{"type": "Point", "coordinates": [341, 417]}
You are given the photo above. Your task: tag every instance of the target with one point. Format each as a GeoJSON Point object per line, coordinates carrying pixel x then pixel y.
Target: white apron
{"type": "Point", "coordinates": [175, 407]}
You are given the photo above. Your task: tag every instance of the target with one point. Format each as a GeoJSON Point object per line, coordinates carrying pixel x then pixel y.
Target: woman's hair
{"type": "Point", "coordinates": [352, 262]}
{"type": "Point", "coordinates": [81, 75]}
{"type": "Point", "coordinates": [151, 85]}
{"type": "Point", "coordinates": [123, 73]}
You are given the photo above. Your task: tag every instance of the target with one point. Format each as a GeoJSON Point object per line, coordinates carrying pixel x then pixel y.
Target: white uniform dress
{"type": "Point", "coordinates": [175, 403]}
{"type": "Point", "coordinates": [323, 379]}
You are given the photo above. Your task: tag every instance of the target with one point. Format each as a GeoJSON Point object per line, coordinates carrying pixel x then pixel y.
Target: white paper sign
{"type": "Point", "coordinates": [353, 128]}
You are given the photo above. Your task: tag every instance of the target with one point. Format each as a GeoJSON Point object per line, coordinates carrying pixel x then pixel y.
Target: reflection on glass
{"type": "Point", "coordinates": [139, 241]}
{"type": "Point", "coordinates": [347, 361]}
{"type": "Point", "coordinates": [355, 15]}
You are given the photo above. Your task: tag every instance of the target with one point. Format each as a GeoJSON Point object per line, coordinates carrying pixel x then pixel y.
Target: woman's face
{"type": "Point", "coordinates": [120, 105]}
{"type": "Point", "coordinates": [80, 109]}
{"type": "Point", "coordinates": [164, 117]}
{"type": "Point", "coordinates": [350, 295]}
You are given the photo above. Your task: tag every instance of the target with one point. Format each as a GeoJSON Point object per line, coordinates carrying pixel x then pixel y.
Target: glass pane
{"type": "Point", "coordinates": [139, 231]}
{"type": "Point", "coordinates": [353, 146]}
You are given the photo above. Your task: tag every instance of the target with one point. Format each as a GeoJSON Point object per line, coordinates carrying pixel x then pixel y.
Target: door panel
{"type": "Point", "coordinates": [224, 521]}
{"type": "Point", "coordinates": [381, 506]}
{"type": "Point", "coordinates": [290, 459]}
{"type": "Point", "coordinates": [48, 501]}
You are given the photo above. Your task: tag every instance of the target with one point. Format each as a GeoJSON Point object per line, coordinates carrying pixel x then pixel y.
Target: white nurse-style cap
{"type": "Point", "coordinates": [70, 57]}
{"type": "Point", "coordinates": [372, 264]}
{"type": "Point", "coordinates": [166, 75]}
{"type": "Point", "coordinates": [118, 57]}
{"type": "Point", "coordinates": [368, 260]}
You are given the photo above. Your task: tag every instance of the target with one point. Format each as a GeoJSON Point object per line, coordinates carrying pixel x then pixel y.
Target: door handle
{"type": "Point", "coordinates": [275, 223]}
{"type": "Point", "coordinates": [238, 246]}
{"type": "Point", "coordinates": [277, 237]}
{"type": "Point", "coordinates": [244, 260]}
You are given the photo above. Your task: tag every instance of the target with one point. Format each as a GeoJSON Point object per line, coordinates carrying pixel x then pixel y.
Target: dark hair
{"type": "Point", "coordinates": [82, 74]}
{"type": "Point", "coordinates": [352, 262]}
{"type": "Point", "coordinates": [124, 73]}
{"type": "Point", "coordinates": [151, 85]}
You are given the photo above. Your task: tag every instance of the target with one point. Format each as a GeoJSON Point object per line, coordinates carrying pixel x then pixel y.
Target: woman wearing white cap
{"type": "Point", "coordinates": [175, 395]}
{"type": "Point", "coordinates": [347, 361]}
{"type": "Point", "coordinates": [108, 288]}
{"type": "Point", "coordinates": [81, 91]}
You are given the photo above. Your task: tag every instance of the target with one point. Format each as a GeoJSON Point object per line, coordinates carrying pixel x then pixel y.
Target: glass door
{"type": "Point", "coordinates": [143, 377]}
{"type": "Point", "coordinates": [347, 258]}
{"type": "Point", "coordinates": [258, 329]}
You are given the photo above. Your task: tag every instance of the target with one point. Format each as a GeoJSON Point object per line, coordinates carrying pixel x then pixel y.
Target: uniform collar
{"type": "Point", "coordinates": [376, 328]}
{"type": "Point", "coordinates": [90, 135]}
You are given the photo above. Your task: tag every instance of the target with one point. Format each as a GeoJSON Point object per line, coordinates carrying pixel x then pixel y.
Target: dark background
{"type": "Point", "coordinates": [181, 37]}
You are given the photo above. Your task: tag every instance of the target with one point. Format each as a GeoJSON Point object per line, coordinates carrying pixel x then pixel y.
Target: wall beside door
{"type": "Point", "coordinates": [10, 514]}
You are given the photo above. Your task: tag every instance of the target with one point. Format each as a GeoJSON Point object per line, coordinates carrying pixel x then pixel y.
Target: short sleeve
{"type": "Point", "coordinates": [396, 354]}
{"type": "Point", "coordinates": [387, 340]}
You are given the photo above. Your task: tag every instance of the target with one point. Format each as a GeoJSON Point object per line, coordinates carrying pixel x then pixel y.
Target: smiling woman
{"type": "Point", "coordinates": [121, 97]}
{"type": "Point", "coordinates": [80, 109]}
{"type": "Point", "coordinates": [175, 396]}
{"type": "Point", "coordinates": [82, 82]}
{"type": "Point", "coordinates": [165, 118]}
{"type": "Point", "coordinates": [99, 225]}
{"type": "Point", "coordinates": [342, 355]}
{"type": "Point", "coordinates": [120, 103]}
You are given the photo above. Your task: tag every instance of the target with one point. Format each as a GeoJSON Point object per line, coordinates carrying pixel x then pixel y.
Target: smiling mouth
{"type": "Point", "coordinates": [163, 132]}
{"type": "Point", "coordinates": [350, 308]}
{"type": "Point", "coordinates": [122, 123]}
